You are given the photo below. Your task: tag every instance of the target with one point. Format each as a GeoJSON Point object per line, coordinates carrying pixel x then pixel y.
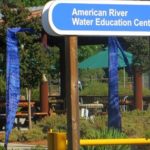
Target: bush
{"type": "Point", "coordinates": [136, 123]}
{"type": "Point", "coordinates": [38, 147]}
{"type": "Point", "coordinates": [2, 147]}
{"type": "Point", "coordinates": [106, 134]}
{"type": "Point", "coordinates": [35, 93]}
{"type": "Point", "coordinates": [54, 122]}
{"type": "Point", "coordinates": [147, 134]}
{"type": "Point", "coordinates": [30, 135]}
{"type": "Point", "coordinates": [95, 88]}
{"type": "Point", "coordinates": [2, 85]}
{"type": "Point", "coordinates": [34, 134]}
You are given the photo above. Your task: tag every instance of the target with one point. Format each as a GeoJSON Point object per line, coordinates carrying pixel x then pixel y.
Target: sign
{"type": "Point", "coordinates": [99, 18]}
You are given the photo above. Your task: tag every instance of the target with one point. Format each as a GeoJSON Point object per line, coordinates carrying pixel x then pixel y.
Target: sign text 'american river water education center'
{"type": "Point", "coordinates": [100, 18]}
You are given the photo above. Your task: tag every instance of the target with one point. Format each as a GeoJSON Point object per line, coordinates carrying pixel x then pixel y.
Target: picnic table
{"type": "Point", "coordinates": [22, 112]}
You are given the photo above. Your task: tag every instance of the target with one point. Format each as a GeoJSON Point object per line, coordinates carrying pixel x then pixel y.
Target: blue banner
{"type": "Point", "coordinates": [114, 117]}
{"type": "Point", "coordinates": [124, 56]}
{"type": "Point", "coordinates": [12, 78]}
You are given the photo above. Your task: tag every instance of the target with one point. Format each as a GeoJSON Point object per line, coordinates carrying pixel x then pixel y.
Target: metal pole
{"type": "Point", "coordinates": [124, 77]}
{"type": "Point", "coordinates": [72, 99]}
{"type": "Point", "coordinates": [130, 141]}
{"type": "Point", "coordinates": [57, 141]}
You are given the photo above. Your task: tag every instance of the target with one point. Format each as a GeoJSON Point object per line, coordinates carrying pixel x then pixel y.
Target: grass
{"type": "Point", "coordinates": [101, 89]}
{"type": "Point", "coordinates": [135, 124]}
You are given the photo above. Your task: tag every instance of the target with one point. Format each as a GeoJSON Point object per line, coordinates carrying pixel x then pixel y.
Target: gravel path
{"type": "Point", "coordinates": [12, 146]}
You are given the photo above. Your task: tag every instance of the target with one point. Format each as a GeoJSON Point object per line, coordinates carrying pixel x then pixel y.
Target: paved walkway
{"type": "Point", "coordinates": [12, 146]}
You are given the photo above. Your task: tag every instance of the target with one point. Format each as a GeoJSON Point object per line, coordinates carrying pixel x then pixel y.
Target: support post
{"type": "Point", "coordinates": [62, 70]}
{"type": "Point", "coordinates": [138, 89]}
{"type": "Point", "coordinates": [57, 141]}
{"type": "Point", "coordinates": [72, 99]}
{"type": "Point", "coordinates": [29, 109]}
{"type": "Point", "coordinates": [44, 95]}
{"type": "Point", "coordinates": [44, 39]}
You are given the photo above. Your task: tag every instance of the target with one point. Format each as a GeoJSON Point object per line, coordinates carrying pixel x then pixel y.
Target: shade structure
{"type": "Point", "coordinates": [100, 60]}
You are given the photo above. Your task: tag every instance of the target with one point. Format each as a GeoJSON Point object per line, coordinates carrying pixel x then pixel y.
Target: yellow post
{"type": "Point", "coordinates": [50, 141]}
{"type": "Point", "coordinates": [60, 141]}
{"type": "Point", "coordinates": [57, 141]}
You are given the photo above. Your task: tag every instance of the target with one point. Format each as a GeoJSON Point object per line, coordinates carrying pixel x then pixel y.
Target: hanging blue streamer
{"type": "Point", "coordinates": [12, 78]}
{"type": "Point", "coordinates": [124, 55]}
{"type": "Point", "coordinates": [114, 117]}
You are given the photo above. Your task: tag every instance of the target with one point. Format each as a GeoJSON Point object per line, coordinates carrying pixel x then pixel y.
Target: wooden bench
{"type": "Point", "coordinates": [20, 104]}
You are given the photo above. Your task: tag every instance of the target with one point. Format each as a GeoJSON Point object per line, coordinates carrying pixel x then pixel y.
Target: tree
{"type": "Point", "coordinates": [88, 50]}
{"type": "Point", "coordinates": [30, 3]}
{"type": "Point", "coordinates": [35, 59]}
{"type": "Point", "coordinates": [26, 3]}
{"type": "Point", "coordinates": [139, 47]}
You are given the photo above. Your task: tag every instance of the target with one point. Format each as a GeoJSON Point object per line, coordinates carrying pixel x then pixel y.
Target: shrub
{"type": "Point", "coordinates": [35, 94]}
{"type": "Point", "coordinates": [2, 85]}
{"type": "Point", "coordinates": [2, 148]}
{"type": "Point", "coordinates": [105, 134]}
{"type": "Point", "coordinates": [86, 128]}
{"type": "Point", "coordinates": [38, 147]}
{"type": "Point", "coordinates": [136, 123]}
{"type": "Point", "coordinates": [54, 122]}
{"type": "Point", "coordinates": [29, 135]}
{"type": "Point", "coordinates": [100, 88]}
{"type": "Point", "coordinates": [32, 135]}
{"type": "Point", "coordinates": [147, 134]}
{"type": "Point", "coordinates": [95, 88]}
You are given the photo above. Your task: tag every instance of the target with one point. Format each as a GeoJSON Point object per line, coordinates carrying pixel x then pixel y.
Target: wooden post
{"type": "Point", "coordinates": [72, 99]}
{"type": "Point", "coordinates": [138, 89]}
{"type": "Point", "coordinates": [44, 104]}
{"type": "Point", "coordinates": [44, 39]}
{"type": "Point", "coordinates": [62, 70]}
{"type": "Point", "coordinates": [29, 108]}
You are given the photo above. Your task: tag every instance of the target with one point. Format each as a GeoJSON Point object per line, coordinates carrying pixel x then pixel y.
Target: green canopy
{"type": "Point", "coordinates": [100, 60]}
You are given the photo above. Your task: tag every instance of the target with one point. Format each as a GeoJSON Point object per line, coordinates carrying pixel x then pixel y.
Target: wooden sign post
{"type": "Point", "coordinates": [72, 98]}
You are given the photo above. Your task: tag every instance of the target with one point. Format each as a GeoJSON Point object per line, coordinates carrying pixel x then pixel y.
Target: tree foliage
{"type": "Point", "coordinates": [34, 2]}
{"type": "Point", "coordinates": [88, 50]}
{"type": "Point", "coordinates": [140, 48]}
{"type": "Point", "coordinates": [26, 3]}
{"type": "Point", "coordinates": [34, 58]}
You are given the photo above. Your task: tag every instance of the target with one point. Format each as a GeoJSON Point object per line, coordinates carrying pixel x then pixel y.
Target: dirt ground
{"type": "Point", "coordinates": [39, 142]}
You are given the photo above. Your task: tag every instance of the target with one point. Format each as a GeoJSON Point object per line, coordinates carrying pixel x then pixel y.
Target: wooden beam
{"type": "Point", "coordinates": [138, 89]}
{"type": "Point", "coordinates": [72, 99]}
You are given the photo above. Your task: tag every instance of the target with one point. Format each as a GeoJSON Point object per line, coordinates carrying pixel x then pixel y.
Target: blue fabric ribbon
{"type": "Point", "coordinates": [124, 55]}
{"type": "Point", "coordinates": [114, 116]}
{"type": "Point", "coordinates": [12, 78]}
